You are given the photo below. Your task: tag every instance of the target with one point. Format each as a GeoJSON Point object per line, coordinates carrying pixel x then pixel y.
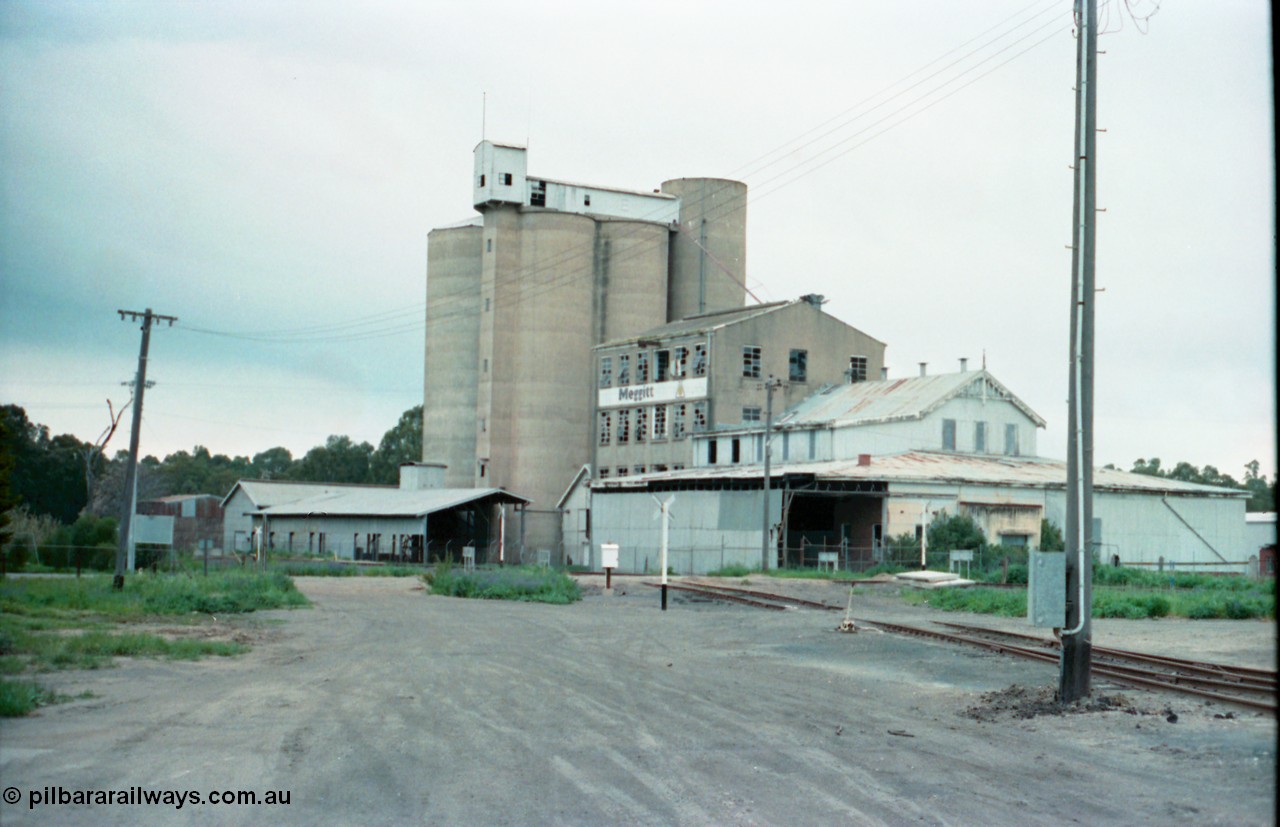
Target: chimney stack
{"type": "Point", "coordinates": [864, 459]}
{"type": "Point", "coordinates": [964, 364]}
{"type": "Point", "coordinates": [924, 368]}
{"type": "Point", "coordinates": [884, 373]}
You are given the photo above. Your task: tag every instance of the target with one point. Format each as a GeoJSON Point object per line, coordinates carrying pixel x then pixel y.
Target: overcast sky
{"type": "Point", "coordinates": [268, 172]}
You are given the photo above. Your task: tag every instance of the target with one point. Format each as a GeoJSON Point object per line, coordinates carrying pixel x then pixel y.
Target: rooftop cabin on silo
{"type": "Point", "coordinates": [501, 177]}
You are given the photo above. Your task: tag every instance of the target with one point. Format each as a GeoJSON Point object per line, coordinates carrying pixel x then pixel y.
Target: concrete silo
{"type": "Point", "coordinates": [712, 239]}
{"type": "Point", "coordinates": [451, 359]}
{"type": "Point", "coordinates": [539, 334]}
{"type": "Point", "coordinates": [631, 265]}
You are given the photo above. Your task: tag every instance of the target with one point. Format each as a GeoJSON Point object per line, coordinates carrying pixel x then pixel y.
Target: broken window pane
{"type": "Point", "coordinates": [662, 365]}
{"type": "Point", "coordinates": [700, 360]}
{"type": "Point", "coordinates": [799, 365]}
{"type": "Point", "coordinates": [606, 427]}
{"type": "Point", "coordinates": [751, 362]}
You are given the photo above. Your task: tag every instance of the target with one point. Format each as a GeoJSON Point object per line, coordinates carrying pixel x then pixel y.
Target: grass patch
{"type": "Point", "coordinates": [147, 595]}
{"type": "Point", "coordinates": [524, 583]}
{"type": "Point", "coordinates": [18, 698]}
{"type": "Point", "coordinates": [72, 623]}
{"type": "Point", "coordinates": [1004, 602]}
{"type": "Point", "coordinates": [330, 568]}
{"type": "Point", "coordinates": [1109, 602]}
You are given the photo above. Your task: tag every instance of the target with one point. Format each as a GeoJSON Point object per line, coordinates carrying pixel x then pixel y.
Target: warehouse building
{"type": "Point", "coordinates": [417, 521]}
{"type": "Point", "coordinates": [877, 460]}
{"type": "Point", "coordinates": [518, 296]}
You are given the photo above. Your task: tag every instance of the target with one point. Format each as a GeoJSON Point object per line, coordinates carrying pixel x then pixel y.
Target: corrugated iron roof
{"type": "Point", "coordinates": [275, 492]}
{"type": "Point", "coordinates": [889, 400]}
{"type": "Point", "coordinates": [367, 501]}
{"type": "Point", "coordinates": [932, 467]}
{"type": "Point", "coordinates": [701, 323]}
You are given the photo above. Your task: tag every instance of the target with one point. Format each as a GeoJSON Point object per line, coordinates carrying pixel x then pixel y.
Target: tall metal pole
{"type": "Point", "coordinates": [769, 385]}
{"type": "Point", "coordinates": [1077, 646]}
{"type": "Point", "coordinates": [131, 470]}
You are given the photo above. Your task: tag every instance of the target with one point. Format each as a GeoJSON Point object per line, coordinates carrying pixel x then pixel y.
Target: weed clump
{"type": "Point", "coordinates": [524, 584]}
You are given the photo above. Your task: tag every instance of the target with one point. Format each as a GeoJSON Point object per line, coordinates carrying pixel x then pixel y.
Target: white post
{"type": "Point", "coordinates": [924, 535]}
{"type": "Point", "coordinates": [502, 534]}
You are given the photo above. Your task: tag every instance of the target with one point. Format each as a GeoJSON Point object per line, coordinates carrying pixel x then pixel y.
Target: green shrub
{"type": "Point", "coordinates": [731, 570]}
{"type": "Point", "coordinates": [18, 698]}
{"type": "Point", "coordinates": [523, 583]}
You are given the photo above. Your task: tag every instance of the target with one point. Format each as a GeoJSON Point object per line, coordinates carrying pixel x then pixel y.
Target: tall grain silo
{"type": "Point", "coordinates": [542, 329]}
{"type": "Point", "coordinates": [709, 251]}
{"type": "Point", "coordinates": [631, 266]}
{"type": "Point", "coordinates": [452, 341]}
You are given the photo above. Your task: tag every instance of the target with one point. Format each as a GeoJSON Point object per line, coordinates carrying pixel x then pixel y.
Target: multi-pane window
{"type": "Point", "coordinates": [622, 470]}
{"type": "Point", "coordinates": [642, 424]}
{"type": "Point", "coordinates": [751, 413]}
{"type": "Point", "coordinates": [681, 363]}
{"type": "Point", "coordinates": [677, 421]}
{"type": "Point", "coordinates": [980, 437]}
{"type": "Point", "coordinates": [624, 427]}
{"type": "Point", "coordinates": [661, 365]}
{"type": "Point", "coordinates": [700, 360]}
{"type": "Point", "coordinates": [638, 469]}
{"type": "Point", "coordinates": [624, 370]}
{"type": "Point", "coordinates": [948, 434]}
{"type": "Point", "coordinates": [799, 362]}
{"type": "Point", "coordinates": [751, 361]}
{"type": "Point", "coordinates": [660, 422]}
{"type": "Point", "coordinates": [699, 417]}
{"type": "Point", "coordinates": [1011, 440]}
{"type": "Point", "coordinates": [606, 372]}
{"type": "Point", "coordinates": [857, 369]}
{"type": "Point", "coordinates": [603, 474]}
{"type": "Point", "coordinates": [642, 367]}
{"type": "Point", "coordinates": [606, 427]}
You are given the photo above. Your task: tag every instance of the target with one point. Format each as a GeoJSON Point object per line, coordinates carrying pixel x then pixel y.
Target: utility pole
{"type": "Point", "coordinates": [1077, 646]}
{"type": "Point", "coordinates": [769, 385]}
{"type": "Point", "coordinates": [131, 470]}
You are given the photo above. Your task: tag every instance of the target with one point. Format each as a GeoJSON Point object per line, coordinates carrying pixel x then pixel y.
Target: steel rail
{"type": "Point", "coordinates": [1223, 674]}
{"type": "Point", "coordinates": [1120, 675]}
{"type": "Point", "coordinates": [733, 598]}
{"type": "Point", "coordinates": [800, 601]}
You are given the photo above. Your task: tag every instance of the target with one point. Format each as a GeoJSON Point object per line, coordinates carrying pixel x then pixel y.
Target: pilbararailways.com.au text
{"type": "Point", "coordinates": [177, 799]}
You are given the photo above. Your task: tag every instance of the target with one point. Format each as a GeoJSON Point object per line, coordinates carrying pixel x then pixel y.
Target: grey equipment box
{"type": "Point", "coordinates": [1047, 589]}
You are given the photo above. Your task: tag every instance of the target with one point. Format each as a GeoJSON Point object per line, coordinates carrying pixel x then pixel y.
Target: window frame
{"type": "Point", "coordinates": [798, 365]}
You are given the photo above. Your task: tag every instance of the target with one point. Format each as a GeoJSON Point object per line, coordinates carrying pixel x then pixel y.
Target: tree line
{"type": "Point", "coordinates": [62, 477]}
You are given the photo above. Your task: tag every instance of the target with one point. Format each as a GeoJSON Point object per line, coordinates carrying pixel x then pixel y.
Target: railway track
{"type": "Point", "coordinates": [1246, 687]}
{"type": "Point", "coordinates": [1237, 686]}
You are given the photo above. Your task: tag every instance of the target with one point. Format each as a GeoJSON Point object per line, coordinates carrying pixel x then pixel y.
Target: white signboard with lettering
{"type": "Point", "coordinates": [676, 390]}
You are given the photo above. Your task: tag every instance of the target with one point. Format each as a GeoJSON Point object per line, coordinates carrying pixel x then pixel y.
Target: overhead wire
{"type": "Point", "coordinates": [574, 265]}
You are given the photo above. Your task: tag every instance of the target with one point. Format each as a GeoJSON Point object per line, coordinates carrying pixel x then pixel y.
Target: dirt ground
{"type": "Point", "coordinates": [383, 705]}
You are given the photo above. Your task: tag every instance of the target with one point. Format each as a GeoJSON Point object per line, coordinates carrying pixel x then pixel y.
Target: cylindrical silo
{"type": "Point", "coordinates": [709, 252]}
{"type": "Point", "coordinates": [631, 277]}
{"type": "Point", "coordinates": [543, 332]}
{"type": "Point", "coordinates": [452, 341]}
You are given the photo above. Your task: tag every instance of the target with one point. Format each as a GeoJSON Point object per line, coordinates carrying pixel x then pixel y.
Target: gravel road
{"type": "Point", "coordinates": [383, 705]}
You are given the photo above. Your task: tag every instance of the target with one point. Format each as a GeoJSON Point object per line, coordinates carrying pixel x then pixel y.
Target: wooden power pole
{"type": "Point", "coordinates": [131, 470]}
{"type": "Point", "coordinates": [1077, 646]}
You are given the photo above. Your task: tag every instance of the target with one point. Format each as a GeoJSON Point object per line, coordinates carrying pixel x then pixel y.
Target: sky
{"type": "Point", "coordinates": [268, 171]}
